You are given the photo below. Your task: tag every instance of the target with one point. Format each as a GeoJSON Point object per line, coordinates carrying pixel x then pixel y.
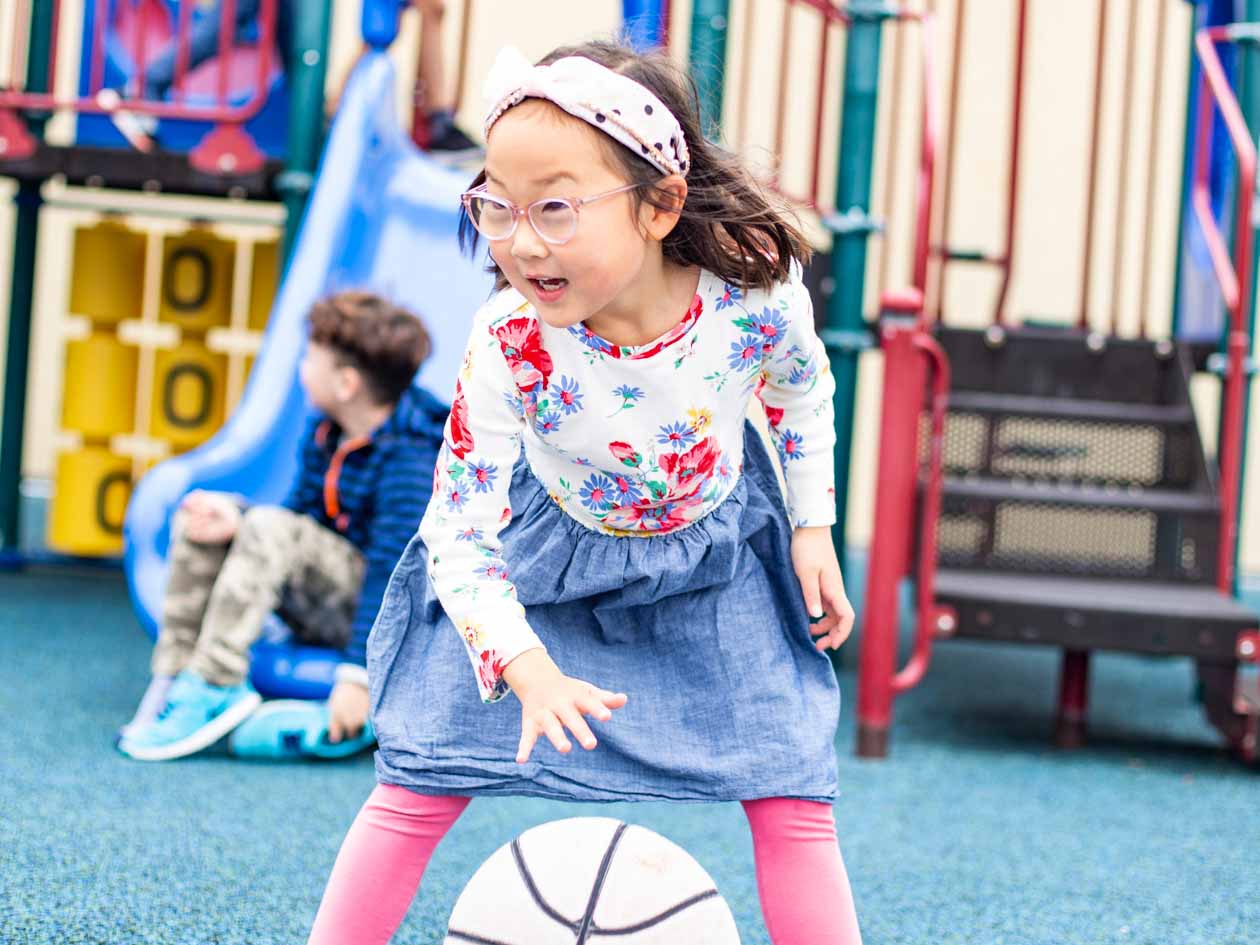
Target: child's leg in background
{"type": "Point", "coordinates": [194, 569]}
{"type": "Point", "coordinates": [276, 553]}
{"type": "Point", "coordinates": [380, 864]}
{"type": "Point", "coordinates": [804, 889]}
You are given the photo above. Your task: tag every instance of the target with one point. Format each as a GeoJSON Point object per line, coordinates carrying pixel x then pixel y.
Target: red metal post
{"type": "Point", "coordinates": [820, 100]}
{"type": "Point", "coordinates": [182, 49]}
{"type": "Point", "coordinates": [894, 511]}
{"type": "Point", "coordinates": [1235, 278]}
{"type": "Point", "coordinates": [100, 17]}
{"type": "Point", "coordinates": [1073, 699]}
{"type": "Point", "coordinates": [227, 39]}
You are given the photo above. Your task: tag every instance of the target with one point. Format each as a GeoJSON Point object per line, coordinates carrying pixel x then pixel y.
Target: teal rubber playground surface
{"type": "Point", "coordinates": [974, 831]}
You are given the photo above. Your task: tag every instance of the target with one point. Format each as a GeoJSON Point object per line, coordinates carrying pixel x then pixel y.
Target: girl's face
{"type": "Point", "coordinates": [535, 151]}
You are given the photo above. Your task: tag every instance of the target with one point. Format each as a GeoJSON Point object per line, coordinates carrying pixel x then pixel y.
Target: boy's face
{"type": "Point", "coordinates": [324, 380]}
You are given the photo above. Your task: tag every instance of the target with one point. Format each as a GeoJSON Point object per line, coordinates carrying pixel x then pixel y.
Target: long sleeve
{"type": "Point", "coordinates": [796, 388]}
{"type": "Point", "coordinates": [470, 507]}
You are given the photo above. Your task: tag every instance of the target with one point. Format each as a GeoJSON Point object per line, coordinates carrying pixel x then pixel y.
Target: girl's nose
{"type": "Point", "coordinates": [526, 244]}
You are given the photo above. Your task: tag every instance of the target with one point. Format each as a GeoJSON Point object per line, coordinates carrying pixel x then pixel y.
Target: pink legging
{"type": "Point", "coordinates": [804, 889]}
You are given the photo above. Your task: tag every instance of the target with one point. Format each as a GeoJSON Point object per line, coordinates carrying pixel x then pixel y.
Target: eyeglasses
{"type": "Point", "coordinates": [554, 219]}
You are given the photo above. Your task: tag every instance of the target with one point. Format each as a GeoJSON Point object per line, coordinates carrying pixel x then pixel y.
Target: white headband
{"type": "Point", "coordinates": [613, 103]}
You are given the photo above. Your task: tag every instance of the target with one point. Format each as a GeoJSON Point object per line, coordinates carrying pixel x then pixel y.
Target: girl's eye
{"type": "Point", "coordinates": [552, 207]}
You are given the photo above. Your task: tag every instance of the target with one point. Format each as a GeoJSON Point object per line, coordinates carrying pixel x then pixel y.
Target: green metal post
{"type": "Point", "coordinates": [21, 298]}
{"type": "Point", "coordinates": [308, 64]}
{"type": "Point", "coordinates": [709, 19]}
{"type": "Point", "coordinates": [846, 334]}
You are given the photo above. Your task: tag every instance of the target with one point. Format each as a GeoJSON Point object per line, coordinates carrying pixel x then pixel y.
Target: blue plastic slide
{"type": "Point", "coordinates": [382, 217]}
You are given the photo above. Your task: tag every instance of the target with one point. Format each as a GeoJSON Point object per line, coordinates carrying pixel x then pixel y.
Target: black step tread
{"type": "Point", "coordinates": [1068, 408]}
{"type": "Point", "coordinates": [1072, 494]}
{"type": "Point", "coordinates": [1153, 599]}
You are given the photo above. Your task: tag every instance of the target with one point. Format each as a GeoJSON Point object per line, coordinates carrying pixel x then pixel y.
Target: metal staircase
{"type": "Point", "coordinates": [1078, 509]}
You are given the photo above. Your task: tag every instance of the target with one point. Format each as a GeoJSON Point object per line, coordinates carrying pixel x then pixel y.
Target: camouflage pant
{"type": "Point", "coordinates": [219, 595]}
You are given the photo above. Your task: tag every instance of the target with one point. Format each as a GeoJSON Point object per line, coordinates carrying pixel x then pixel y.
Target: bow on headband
{"type": "Point", "coordinates": [615, 104]}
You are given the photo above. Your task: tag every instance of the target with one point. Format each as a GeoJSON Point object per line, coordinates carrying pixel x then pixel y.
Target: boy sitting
{"type": "Point", "coordinates": [321, 560]}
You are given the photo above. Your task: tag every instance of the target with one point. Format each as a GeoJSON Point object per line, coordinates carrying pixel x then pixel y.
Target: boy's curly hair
{"type": "Point", "coordinates": [384, 342]}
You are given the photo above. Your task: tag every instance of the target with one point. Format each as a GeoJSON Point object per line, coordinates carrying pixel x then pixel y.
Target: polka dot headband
{"type": "Point", "coordinates": [615, 104]}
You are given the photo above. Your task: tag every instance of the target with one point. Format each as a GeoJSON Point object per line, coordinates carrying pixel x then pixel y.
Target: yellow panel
{"type": "Point", "coordinates": [189, 383]}
{"type": "Point", "coordinates": [107, 276]}
{"type": "Point", "coordinates": [197, 281]}
{"type": "Point", "coordinates": [93, 486]}
{"type": "Point", "coordinates": [99, 398]}
{"type": "Point", "coordinates": [266, 280]}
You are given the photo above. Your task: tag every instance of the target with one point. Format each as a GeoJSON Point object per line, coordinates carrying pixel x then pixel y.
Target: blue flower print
{"type": "Point", "coordinates": [730, 295]}
{"type": "Point", "coordinates": [625, 491]}
{"type": "Point", "coordinates": [791, 446]}
{"type": "Point", "coordinates": [483, 475]}
{"type": "Point", "coordinates": [597, 493]}
{"type": "Point", "coordinates": [772, 327]}
{"type": "Point", "coordinates": [471, 533]}
{"type": "Point", "coordinates": [569, 395]}
{"type": "Point", "coordinates": [549, 422]}
{"type": "Point", "coordinates": [678, 436]}
{"type": "Point", "coordinates": [456, 496]}
{"type": "Point", "coordinates": [626, 392]}
{"type": "Point", "coordinates": [803, 374]}
{"type": "Point", "coordinates": [590, 339]}
{"type": "Point", "coordinates": [744, 353]}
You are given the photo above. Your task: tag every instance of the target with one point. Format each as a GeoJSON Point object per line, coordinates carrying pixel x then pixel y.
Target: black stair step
{"type": "Point", "coordinates": [1094, 613]}
{"type": "Point", "coordinates": [1068, 408]}
{"type": "Point", "coordinates": [1072, 494]}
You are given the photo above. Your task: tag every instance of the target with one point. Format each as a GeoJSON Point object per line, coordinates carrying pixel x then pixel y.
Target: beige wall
{"type": "Point", "coordinates": [1048, 268]}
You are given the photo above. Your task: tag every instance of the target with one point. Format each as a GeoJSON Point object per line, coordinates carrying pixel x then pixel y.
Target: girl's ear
{"type": "Point", "coordinates": [671, 192]}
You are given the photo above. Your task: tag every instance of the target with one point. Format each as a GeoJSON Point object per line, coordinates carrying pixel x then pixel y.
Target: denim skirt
{"type": "Point", "coordinates": [704, 629]}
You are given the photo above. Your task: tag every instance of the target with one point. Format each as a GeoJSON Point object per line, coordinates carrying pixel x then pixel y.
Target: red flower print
{"type": "Point", "coordinates": [686, 472]}
{"type": "Point", "coordinates": [624, 453]}
{"type": "Point", "coordinates": [458, 438]}
{"type": "Point", "coordinates": [522, 346]}
{"type": "Point", "coordinates": [773, 414]}
{"type": "Point", "coordinates": [489, 668]}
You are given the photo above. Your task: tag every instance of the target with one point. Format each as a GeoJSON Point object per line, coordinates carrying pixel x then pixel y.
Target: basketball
{"type": "Point", "coordinates": [586, 880]}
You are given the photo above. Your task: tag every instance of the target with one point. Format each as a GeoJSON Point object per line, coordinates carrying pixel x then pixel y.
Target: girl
{"type": "Point", "coordinates": [636, 565]}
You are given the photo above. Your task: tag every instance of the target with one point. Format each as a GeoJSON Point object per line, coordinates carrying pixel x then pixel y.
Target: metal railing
{"type": "Point", "coordinates": [226, 148]}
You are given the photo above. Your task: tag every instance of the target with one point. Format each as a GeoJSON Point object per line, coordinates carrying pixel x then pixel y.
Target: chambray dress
{"type": "Point", "coordinates": [704, 629]}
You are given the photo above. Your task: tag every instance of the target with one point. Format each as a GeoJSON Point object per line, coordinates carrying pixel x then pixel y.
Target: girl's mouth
{"type": "Point", "coordinates": [549, 290]}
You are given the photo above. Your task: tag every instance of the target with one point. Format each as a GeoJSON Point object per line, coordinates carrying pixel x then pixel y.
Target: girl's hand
{"type": "Point", "coordinates": [818, 569]}
{"type": "Point", "coordinates": [552, 702]}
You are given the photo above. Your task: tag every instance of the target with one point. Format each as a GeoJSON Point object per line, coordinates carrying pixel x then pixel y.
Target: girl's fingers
{"type": "Point", "coordinates": [555, 734]}
{"type": "Point", "coordinates": [593, 706]}
{"type": "Point", "coordinates": [574, 722]}
{"type": "Point", "coordinates": [809, 590]}
{"type": "Point", "coordinates": [529, 735]}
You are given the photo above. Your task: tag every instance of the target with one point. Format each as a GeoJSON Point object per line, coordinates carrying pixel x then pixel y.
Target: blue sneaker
{"type": "Point", "coordinates": [196, 716]}
{"type": "Point", "coordinates": [286, 729]}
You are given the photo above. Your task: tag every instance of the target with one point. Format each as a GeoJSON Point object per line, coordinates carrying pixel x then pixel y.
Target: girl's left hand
{"type": "Point", "coordinates": [818, 569]}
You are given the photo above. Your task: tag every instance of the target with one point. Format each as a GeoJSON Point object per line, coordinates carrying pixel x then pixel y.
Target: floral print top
{"type": "Point", "coordinates": [630, 441]}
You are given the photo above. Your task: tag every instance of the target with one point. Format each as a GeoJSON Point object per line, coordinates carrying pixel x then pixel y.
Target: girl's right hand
{"type": "Point", "coordinates": [552, 702]}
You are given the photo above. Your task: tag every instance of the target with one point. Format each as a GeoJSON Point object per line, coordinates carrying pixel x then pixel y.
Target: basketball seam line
{"type": "Point", "coordinates": [656, 919]}
{"type": "Point", "coordinates": [584, 931]}
{"type": "Point", "coordinates": [534, 891]}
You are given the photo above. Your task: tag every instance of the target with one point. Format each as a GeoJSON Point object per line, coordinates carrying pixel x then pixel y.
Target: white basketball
{"type": "Point", "coordinates": [591, 881]}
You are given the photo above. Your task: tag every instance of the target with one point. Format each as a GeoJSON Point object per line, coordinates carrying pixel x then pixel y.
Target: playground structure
{"type": "Point", "coordinates": [1037, 484]}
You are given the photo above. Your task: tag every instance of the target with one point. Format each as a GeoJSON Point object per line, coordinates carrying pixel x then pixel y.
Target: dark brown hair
{"type": "Point", "coordinates": [727, 225]}
{"type": "Point", "coordinates": [386, 344]}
